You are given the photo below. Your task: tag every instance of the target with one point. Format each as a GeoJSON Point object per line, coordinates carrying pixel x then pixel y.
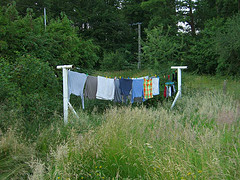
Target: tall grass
{"type": "Point", "coordinates": [14, 157]}
{"type": "Point", "coordinates": [200, 140]}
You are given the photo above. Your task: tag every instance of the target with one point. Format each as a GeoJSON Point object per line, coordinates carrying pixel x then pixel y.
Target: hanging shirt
{"type": "Point", "coordinates": [155, 86]}
{"type": "Point", "coordinates": [91, 87]}
{"type": "Point", "coordinates": [126, 87]}
{"type": "Point", "coordinates": [105, 88]}
{"type": "Point", "coordinates": [76, 82]}
{"type": "Point", "coordinates": [117, 94]}
{"type": "Point", "coordinates": [137, 89]}
{"type": "Point", "coordinates": [165, 91]}
{"type": "Point", "coordinates": [147, 85]}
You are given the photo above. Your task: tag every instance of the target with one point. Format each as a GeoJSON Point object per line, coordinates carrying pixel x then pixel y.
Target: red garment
{"type": "Point", "coordinates": [165, 92]}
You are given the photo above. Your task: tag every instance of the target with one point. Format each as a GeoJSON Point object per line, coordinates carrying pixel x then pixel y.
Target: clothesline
{"type": "Point", "coordinates": [115, 89]}
{"type": "Point", "coordinates": [67, 104]}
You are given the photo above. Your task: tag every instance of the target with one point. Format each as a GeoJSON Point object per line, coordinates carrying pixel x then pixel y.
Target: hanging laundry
{"type": "Point", "coordinates": [137, 89]}
{"type": "Point", "coordinates": [76, 82]}
{"type": "Point", "coordinates": [117, 94]}
{"type": "Point", "coordinates": [169, 91]}
{"type": "Point", "coordinates": [174, 90]}
{"type": "Point", "coordinates": [175, 76]}
{"type": "Point", "coordinates": [155, 86]}
{"type": "Point", "coordinates": [105, 88]}
{"type": "Point", "coordinates": [147, 85]}
{"type": "Point", "coordinates": [91, 87]}
{"type": "Point", "coordinates": [126, 87]}
{"type": "Point", "coordinates": [165, 91]}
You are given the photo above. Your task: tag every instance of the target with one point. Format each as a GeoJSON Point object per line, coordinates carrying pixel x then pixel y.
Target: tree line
{"type": "Point", "coordinates": [108, 25]}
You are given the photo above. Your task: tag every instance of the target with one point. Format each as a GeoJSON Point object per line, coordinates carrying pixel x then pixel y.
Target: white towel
{"type": "Point", "coordinates": [105, 88]}
{"type": "Point", "coordinates": [170, 91]}
{"type": "Point", "coordinates": [155, 86]}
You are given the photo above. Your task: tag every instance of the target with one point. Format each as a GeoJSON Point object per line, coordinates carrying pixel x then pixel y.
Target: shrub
{"type": "Point", "coordinates": [39, 87]}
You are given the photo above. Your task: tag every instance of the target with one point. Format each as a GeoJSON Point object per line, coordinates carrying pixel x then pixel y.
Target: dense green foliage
{"type": "Point", "coordinates": [228, 47]}
{"type": "Point", "coordinates": [161, 50]}
{"type": "Point", "coordinates": [106, 29]}
{"type": "Point", "coordinates": [29, 56]}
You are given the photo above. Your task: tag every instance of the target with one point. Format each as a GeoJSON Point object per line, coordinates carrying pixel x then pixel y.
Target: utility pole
{"type": "Point", "coordinates": [139, 43]}
{"type": "Point", "coordinates": [45, 18]}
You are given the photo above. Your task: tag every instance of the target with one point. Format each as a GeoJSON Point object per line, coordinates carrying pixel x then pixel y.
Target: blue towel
{"type": "Point", "coordinates": [76, 82]}
{"type": "Point", "coordinates": [137, 89]}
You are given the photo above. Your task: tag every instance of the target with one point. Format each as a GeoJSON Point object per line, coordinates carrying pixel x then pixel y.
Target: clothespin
{"type": "Point", "coordinates": [120, 77]}
{"type": "Point", "coordinates": [155, 75]}
{"type": "Point", "coordinates": [106, 76]}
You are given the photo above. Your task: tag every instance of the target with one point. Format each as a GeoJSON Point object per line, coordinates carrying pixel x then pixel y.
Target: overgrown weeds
{"type": "Point", "coordinates": [189, 142]}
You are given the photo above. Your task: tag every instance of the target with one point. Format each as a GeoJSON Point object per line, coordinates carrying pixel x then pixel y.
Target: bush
{"type": "Point", "coordinates": [30, 88]}
{"type": "Point", "coordinates": [40, 91]}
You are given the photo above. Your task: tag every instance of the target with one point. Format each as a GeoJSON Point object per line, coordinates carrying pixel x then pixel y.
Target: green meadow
{"type": "Point", "coordinates": [198, 139]}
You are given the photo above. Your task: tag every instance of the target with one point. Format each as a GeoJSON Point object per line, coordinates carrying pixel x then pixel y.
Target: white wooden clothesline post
{"type": "Point", "coordinates": [179, 93]}
{"type": "Point", "coordinates": [65, 90]}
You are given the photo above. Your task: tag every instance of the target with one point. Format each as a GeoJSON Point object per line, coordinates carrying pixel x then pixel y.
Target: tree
{"type": "Point", "coordinates": [201, 56]}
{"type": "Point", "coordinates": [161, 12]}
{"type": "Point", "coordinates": [228, 47]}
{"type": "Point", "coordinates": [185, 11]}
{"type": "Point", "coordinates": [161, 50]}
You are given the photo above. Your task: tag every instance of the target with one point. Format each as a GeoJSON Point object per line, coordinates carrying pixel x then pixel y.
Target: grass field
{"type": "Point", "coordinates": [198, 139]}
